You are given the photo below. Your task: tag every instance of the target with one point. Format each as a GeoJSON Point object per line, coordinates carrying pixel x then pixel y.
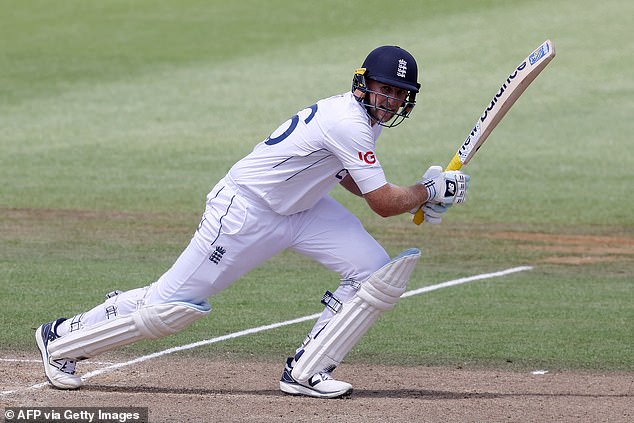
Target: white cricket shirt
{"type": "Point", "coordinates": [303, 159]}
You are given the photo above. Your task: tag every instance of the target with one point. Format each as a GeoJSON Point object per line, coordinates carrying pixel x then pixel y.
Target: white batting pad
{"type": "Point", "coordinates": [147, 322]}
{"type": "Point", "coordinates": [377, 294]}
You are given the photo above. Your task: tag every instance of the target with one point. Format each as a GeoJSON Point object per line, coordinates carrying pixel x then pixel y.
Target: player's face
{"type": "Point", "coordinates": [385, 100]}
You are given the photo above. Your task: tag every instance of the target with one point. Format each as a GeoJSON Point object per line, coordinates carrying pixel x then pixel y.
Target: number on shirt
{"type": "Point", "coordinates": [293, 124]}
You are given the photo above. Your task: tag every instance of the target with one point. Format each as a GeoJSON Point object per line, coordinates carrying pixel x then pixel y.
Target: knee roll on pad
{"type": "Point", "coordinates": [146, 322]}
{"type": "Point", "coordinates": [378, 294]}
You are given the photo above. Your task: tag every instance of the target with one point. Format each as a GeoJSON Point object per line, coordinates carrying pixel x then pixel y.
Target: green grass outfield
{"type": "Point", "coordinates": [117, 118]}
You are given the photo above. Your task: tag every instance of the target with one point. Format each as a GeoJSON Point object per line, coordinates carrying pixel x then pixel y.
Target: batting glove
{"type": "Point", "coordinates": [445, 187]}
{"type": "Point", "coordinates": [434, 212]}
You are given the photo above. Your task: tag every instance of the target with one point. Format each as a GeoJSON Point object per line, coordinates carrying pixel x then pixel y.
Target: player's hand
{"type": "Point", "coordinates": [445, 187]}
{"type": "Point", "coordinates": [434, 212]}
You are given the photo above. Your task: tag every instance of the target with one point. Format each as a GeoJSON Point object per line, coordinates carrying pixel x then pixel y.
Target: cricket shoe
{"type": "Point", "coordinates": [60, 372]}
{"type": "Point", "coordinates": [320, 385]}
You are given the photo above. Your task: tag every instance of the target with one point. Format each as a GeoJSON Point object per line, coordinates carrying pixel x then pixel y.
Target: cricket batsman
{"type": "Point", "coordinates": [273, 199]}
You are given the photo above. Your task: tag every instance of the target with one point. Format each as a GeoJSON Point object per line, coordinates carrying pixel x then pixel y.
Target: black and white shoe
{"type": "Point", "coordinates": [320, 385]}
{"type": "Point", "coordinates": [60, 372]}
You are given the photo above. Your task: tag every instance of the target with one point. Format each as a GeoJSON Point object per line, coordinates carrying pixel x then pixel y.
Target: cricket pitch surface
{"type": "Point", "coordinates": [186, 389]}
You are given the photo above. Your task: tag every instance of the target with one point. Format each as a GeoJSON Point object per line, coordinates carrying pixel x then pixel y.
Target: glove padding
{"type": "Point", "coordinates": [445, 187]}
{"type": "Point", "coordinates": [434, 212]}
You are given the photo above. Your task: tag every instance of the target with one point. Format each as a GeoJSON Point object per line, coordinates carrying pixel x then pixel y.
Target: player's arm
{"type": "Point", "coordinates": [435, 187]}
{"type": "Point", "coordinates": [348, 183]}
{"type": "Point", "coordinates": [391, 200]}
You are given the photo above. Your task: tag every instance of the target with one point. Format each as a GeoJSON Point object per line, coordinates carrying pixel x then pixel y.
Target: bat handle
{"type": "Point", "coordinates": [419, 217]}
{"type": "Point", "coordinates": [454, 164]}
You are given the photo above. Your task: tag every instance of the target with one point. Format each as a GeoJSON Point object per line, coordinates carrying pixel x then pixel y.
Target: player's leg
{"type": "Point", "coordinates": [378, 294]}
{"type": "Point", "coordinates": [333, 236]}
{"type": "Point", "coordinates": [224, 247]}
{"type": "Point", "coordinates": [124, 318]}
{"type": "Point", "coordinates": [61, 352]}
{"type": "Point", "coordinates": [60, 371]}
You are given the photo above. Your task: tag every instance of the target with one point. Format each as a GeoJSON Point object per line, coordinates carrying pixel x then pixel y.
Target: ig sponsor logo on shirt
{"type": "Point", "coordinates": [367, 157]}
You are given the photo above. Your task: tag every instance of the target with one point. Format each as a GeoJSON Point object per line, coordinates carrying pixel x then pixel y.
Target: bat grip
{"type": "Point", "coordinates": [454, 164]}
{"type": "Point", "coordinates": [419, 217]}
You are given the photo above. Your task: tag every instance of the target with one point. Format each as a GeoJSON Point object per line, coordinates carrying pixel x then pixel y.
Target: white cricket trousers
{"type": "Point", "coordinates": [237, 232]}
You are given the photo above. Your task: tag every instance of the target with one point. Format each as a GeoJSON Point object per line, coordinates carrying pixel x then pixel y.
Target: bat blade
{"type": "Point", "coordinates": [512, 88]}
{"type": "Point", "coordinates": [507, 95]}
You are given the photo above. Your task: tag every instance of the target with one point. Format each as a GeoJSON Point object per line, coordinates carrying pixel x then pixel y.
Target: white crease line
{"type": "Point", "coordinates": [465, 280]}
{"type": "Point", "coordinates": [24, 360]}
{"type": "Point", "coordinates": [274, 326]}
{"type": "Point", "coordinates": [199, 344]}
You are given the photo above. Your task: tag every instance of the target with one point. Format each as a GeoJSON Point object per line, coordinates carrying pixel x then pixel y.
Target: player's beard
{"type": "Point", "coordinates": [379, 110]}
{"type": "Point", "coordinates": [381, 115]}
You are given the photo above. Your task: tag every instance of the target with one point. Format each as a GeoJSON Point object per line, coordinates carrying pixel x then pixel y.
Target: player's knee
{"type": "Point", "coordinates": [366, 263]}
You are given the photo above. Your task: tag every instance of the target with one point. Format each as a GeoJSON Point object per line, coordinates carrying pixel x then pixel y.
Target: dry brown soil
{"type": "Point", "coordinates": [182, 389]}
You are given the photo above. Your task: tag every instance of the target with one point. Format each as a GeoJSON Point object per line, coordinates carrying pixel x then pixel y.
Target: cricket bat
{"type": "Point", "coordinates": [507, 95]}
